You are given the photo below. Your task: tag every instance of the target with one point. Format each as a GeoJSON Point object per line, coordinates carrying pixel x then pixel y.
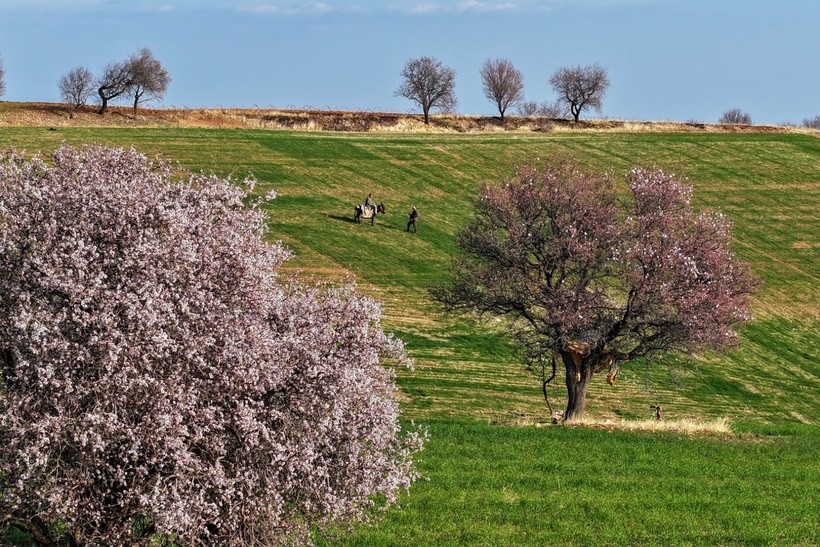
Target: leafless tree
{"type": "Point", "coordinates": [149, 79]}
{"type": "Point", "coordinates": [555, 109]}
{"type": "Point", "coordinates": [116, 80]}
{"type": "Point", "coordinates": [736, 116]}
{"type": "Point", "coordinates": [812, 123]}
{"type": "Point", "coordinates": [76, 87]}
{"type": "Point", "coordinates": [580, 87]}
{"type": "Point", "coordinates": [430, 84]}
{"type": "Point", "coordinates": [527, 108]}
{"type": "Point", "coordinates": [2, 78]}
{"type": "Point", "coordinates": [502, 84]}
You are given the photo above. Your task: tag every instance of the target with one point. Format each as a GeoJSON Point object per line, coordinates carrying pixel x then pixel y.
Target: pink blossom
{"type": "Point", "coordinates": [160, 377]}
{"type": "Point", "coordinates": [582, 272]}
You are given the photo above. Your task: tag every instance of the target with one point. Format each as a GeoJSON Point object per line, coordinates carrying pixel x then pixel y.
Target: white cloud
{"type": "Point", "coordinates": [316, 7]}
{"type": "Point", "coordinates": [308, 8]}
{"type": "Point", "coordinates": [14, 5]}
{"type": "Point", "coordinates": [319, 8]}
{"type": "Point", "coordinates": [462, 6]}
{"type": "Point", "coordinates": [474, 5]}
{"type": "Point", "coordinates": [153, 6]}
{"type": "Point", "coordinates": [160, 8]}
{"type": "Point", "coordinates": [261, 8]}
{"type": "Point", "coordinates": [423, 9]}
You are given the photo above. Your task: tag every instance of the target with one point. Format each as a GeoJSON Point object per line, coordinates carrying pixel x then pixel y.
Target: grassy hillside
{"type": "Point", "coordinates": [769, 184]}
{"type": "Point", "coordinates": [490, 484]}
{"type": "Point", "coordinates": [505, 486]}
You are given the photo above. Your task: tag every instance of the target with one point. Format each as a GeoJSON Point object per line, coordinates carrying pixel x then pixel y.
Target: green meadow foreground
{"type": "Point", "coordinates": [493, 475]}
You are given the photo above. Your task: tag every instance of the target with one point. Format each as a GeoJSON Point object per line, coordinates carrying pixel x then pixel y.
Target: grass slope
{"type": "Point", "coordinates": [490, 484]}
{"type": "Point", "coordinates": [528, 486]}
{"type": "Point", "coordinates": [769, 184]}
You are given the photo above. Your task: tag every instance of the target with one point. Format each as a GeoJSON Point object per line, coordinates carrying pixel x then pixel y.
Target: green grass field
{"type": "Point", "coordinates": [489, 483]}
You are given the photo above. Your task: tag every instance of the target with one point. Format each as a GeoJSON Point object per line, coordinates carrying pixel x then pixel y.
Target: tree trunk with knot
{"type": "Point", "coordinates": [582, 360]}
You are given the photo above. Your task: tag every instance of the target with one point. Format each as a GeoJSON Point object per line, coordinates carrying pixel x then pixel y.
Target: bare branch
{"type": "Point", "coordinates": [76, 87]}
{"type": "Point", "coordinates": [114, 82]}
{"type": "Point", "coordinates": [430, 84]}
{"type": "Point", "coordinates": [149, 78]}
{"type": "Point", "coordinates": [812, 123]}
{"type": "Point", "coordinates": [580, 87]}
{"type": "Point", "coordinates": [502, 84]}
{"type": "Point", "coordinates": [735, 116]}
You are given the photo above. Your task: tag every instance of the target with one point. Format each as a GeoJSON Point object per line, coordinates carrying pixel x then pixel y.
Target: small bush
{"type": "Point", "coordinates": [555, 110]}
{"type": "Point", "coordinates": [812, 123]}
{"type": "Point", "coordinates": [527, 108]}
{"type": "Point", "coordinates": [735, 116]}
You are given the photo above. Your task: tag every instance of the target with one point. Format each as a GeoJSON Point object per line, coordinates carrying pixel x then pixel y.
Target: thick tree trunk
{"type": "Point", "coordinates": [137, 97]}
{"type": "Point", "coordinates": [579, 373]}
{"type": "Point", "coordinates": [36, 528]}
{"type": "Point", "coordinates": [103, 103]}
{"type": "Point", "coordinates": [583, 359]}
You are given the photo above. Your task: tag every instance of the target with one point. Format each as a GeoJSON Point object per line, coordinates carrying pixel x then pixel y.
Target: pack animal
{"type": "Point", "coordinates": [362, 211]}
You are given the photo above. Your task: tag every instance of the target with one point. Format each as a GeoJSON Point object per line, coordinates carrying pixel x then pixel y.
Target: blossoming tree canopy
{"type": "Point", "coordinates": [159, 377]}
{"type": "Point", "coordinates": [597, 279]}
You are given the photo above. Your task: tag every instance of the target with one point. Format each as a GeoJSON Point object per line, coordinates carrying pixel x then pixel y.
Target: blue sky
{"type": "Point", "coordinates": [667, 59]}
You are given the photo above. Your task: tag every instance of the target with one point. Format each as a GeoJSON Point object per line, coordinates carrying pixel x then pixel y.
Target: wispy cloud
{"type": "Point", "coordinates": [15, 5]}
{"type": "Point", "coordinates": [473, 5]}
{"type": "Point", "coordinates": [424, 7]}
{"type": "Point", "coordinates": [151, 6]}
{"type": "Point", "coordinates": [261, 8]}
{"type": "Point", "coordinates": [317, 7]}
{"type": "Point", "coordinates": [421, 9]}
{"type": "Point", "coordinates": [460, 6]}
{"type": "Point", "coordinates": [145, 8]}
{"type": "Point", "coordinates": [308, 8]}
{"type": "Point", "coordinates": [415, 7]}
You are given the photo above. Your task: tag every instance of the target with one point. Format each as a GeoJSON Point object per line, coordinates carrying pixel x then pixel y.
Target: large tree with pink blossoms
{"type": "Point", "coordinates": [596, 278]}
{"type": "Point", "coordinates": [160, 379]}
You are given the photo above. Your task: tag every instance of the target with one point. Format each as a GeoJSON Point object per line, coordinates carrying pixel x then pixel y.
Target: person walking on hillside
{"type": "Point", "coordinates": [414, 213]}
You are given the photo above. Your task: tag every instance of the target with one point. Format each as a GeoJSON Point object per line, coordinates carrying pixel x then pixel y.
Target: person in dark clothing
{"type": "Point", "coordinates": [412, 222]}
